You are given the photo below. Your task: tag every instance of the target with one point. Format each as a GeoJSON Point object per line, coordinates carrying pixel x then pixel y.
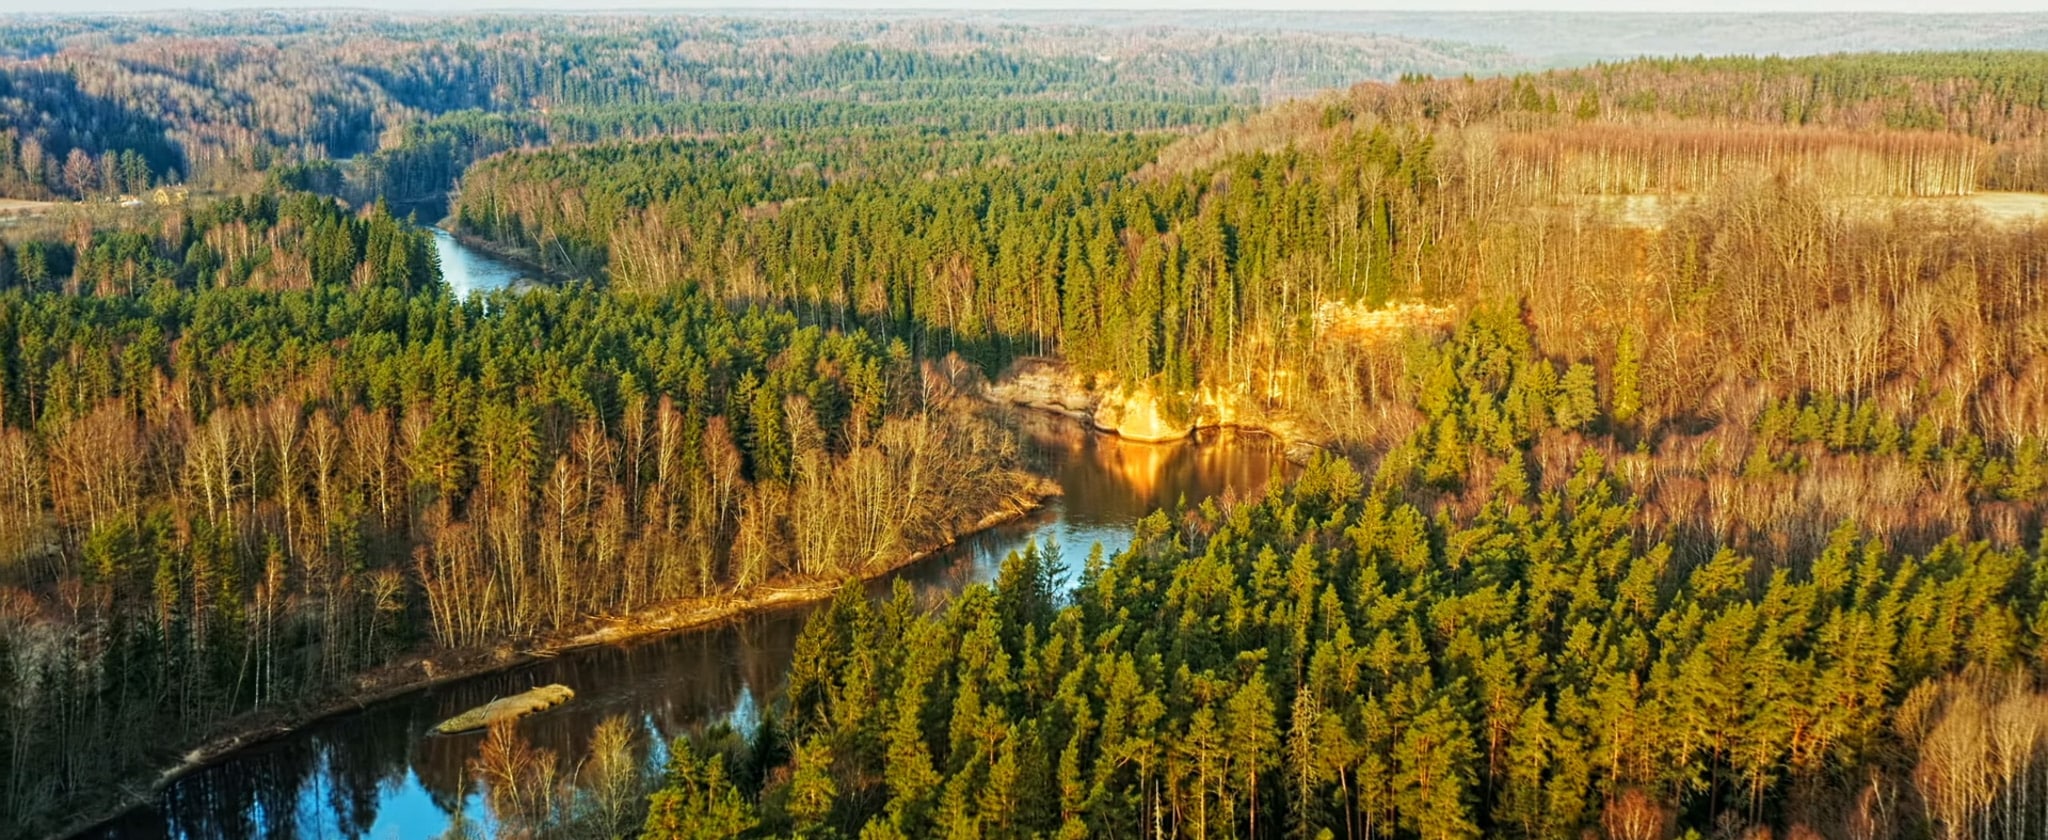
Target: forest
{"type": "Point", "coordinates": [1681, 425]}
{"type": "Point", "coordinates": [245, 473]}
{"type": "Point", "coordinates": [1726, 520]}
{"type": "Point", "coordinates": [1224, 261]}
{"type": "Point", "coordinates": [104, 106]}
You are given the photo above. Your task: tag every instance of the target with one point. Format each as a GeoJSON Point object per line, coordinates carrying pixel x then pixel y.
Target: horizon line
{"type": "Point", "coordinates": [936, 9]}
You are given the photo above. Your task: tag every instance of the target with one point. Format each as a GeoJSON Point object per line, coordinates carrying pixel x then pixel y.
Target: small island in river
{"type": "Point", "coordinates": [504, 709]}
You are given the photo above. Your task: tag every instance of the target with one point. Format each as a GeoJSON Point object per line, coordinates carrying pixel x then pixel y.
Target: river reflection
{"type": "Point", "coordinates": [375, 774]}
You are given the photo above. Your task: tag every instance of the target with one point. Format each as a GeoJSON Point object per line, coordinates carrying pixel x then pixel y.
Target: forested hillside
{"type": "Point", "coordinates": [1722, 518]}
{"type": "Point", "coordinates": [104, 106]}
{"type": "Point", "coordinates": [1565, 39]}
{"type": "Point", "coordinates": [1233, 262]}
{"type": "Point", "coordinates": [1683, 424]}
{"type": "Point", "coordinates": [256, 450]}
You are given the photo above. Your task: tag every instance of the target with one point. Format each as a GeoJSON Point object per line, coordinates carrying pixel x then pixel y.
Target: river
{"type": "Point", "coordinates": [376, 774]}
{"type": "Point", "coordinates": [469, 270]}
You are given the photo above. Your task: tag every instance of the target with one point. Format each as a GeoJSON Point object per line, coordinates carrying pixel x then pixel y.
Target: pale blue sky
{"type": "Point", "coordinates": [1745, 6]}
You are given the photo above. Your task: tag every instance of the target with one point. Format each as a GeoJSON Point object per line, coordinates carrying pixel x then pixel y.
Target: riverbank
{"type": "Point", "coordinates": [427, 670]}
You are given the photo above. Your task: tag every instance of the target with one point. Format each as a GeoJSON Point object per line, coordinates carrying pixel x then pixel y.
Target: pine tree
{"type": "Point", "coordinates": [697, 801]}
{"type": "Point", "coordinates": [1627, 399]}
{"type": "Point", "coordinates": [1578, 398]}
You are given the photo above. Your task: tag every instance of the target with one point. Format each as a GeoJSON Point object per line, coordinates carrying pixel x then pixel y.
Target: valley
{"type": "Point", "coordinates": [1423, 426]}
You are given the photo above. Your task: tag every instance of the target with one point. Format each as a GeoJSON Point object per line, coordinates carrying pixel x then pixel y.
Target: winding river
{"type": "Point", "coordinates": [376, 774]}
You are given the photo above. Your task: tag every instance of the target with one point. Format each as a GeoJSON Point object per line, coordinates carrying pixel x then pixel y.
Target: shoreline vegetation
{"type": "Point", "coordinates": [429, 670]}
{"type": "Point", "coordinates": [400, 472]}
{"type": "Point", "coordinates": [1630, 505]}
{"type": "Point", "coordinates": [1681, 426]}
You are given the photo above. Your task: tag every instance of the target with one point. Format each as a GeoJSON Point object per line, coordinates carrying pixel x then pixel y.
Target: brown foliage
{"type": "Point", "coordinates": [1633, 815]}
{"type": "Point", "coordinates": [1681, 157]}
{"type": "Point", "coordinates": [524, 784]}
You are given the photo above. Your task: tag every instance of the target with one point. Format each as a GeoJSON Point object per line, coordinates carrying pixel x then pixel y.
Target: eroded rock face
{"type": "Point", "coordinates": [1046, 385]}
{"type": "Point", "coordinates": [1138, 416]}
{"type": "Point", "coordinates": [1136, 413]}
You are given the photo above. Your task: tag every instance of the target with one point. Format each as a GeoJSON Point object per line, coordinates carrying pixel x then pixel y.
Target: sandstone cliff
{"type": "Point", "coordinates": [1137, 412]}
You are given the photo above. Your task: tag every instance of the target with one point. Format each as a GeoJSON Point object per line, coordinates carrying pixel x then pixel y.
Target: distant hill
{"type": "Point", "coordinates": [1552, 39]}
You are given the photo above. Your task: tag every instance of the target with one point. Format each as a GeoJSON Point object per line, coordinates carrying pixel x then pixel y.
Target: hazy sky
{"type": "Point", "coordinates": [1944, 6]}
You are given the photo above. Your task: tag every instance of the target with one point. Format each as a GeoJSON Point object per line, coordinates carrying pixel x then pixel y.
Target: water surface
{"type": "Point", "coordinates": [376, 774]}
{"type": "Point", "coordinates": [469, 270]}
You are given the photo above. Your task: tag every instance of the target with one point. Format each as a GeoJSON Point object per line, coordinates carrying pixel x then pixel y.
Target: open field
{"type": "Point", "coordinates": [22, 206]}
{"type": "Point", "coordinates": [2004, 207]}
{"type": "Point", "coordinates": [1652, 212]}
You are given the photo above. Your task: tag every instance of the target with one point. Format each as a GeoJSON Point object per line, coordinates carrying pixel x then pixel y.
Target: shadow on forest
{"type": "Point", "coordinates": [70, 118]}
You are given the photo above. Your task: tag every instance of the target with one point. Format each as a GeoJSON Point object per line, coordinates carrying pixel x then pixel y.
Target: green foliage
{"type": "Point", "coordinates": [270, 451]}
{"type": "Point", "coordinates": [1627, 400]}
{"type": "Point", "coordinates": [254, 448]}
{"type": "Point", "coordinates": [696, 801]}
{"type": "Point", "coordinates": [1504, 694]}
{"type": "Point", "coordinates": [993, 244]}
{"type": "Point", "coordinates": [412, 103]}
